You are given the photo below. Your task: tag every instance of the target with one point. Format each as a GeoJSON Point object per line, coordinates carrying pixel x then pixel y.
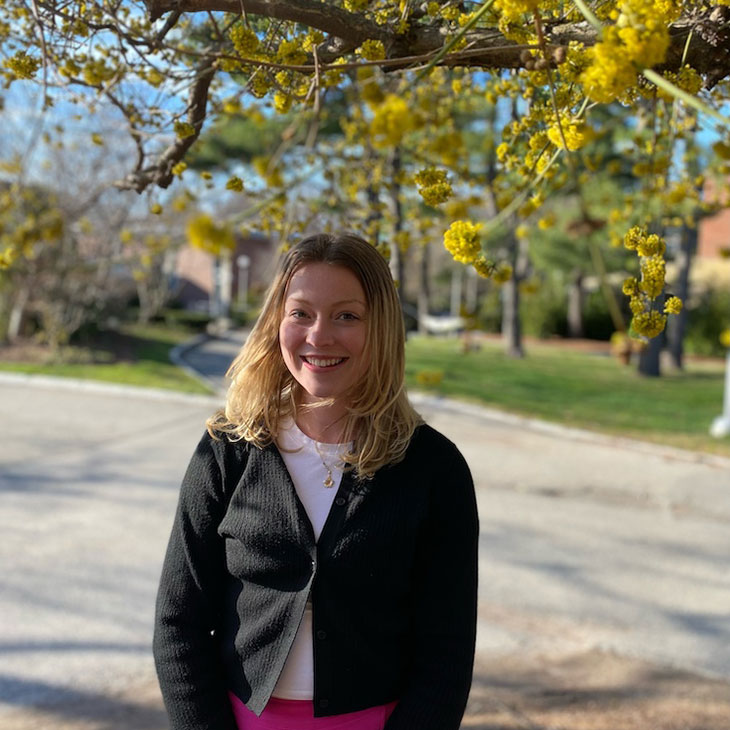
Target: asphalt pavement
{"type": "Point", "coordinates": [589, 544]}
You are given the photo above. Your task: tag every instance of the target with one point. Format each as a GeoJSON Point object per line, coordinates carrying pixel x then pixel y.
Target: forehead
{"type": "Point", "coordinates": [325, 282]}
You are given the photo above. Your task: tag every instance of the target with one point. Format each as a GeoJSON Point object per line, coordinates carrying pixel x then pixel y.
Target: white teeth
{"type": "Point", "coordinates": [321, 363]}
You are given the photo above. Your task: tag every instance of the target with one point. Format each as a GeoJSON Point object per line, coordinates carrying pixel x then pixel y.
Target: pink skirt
{"type": "Point", "coordinates": [299, 715]}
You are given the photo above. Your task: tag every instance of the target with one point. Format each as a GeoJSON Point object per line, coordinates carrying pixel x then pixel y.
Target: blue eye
{"type": "Point", "coordinates": [349, 316]}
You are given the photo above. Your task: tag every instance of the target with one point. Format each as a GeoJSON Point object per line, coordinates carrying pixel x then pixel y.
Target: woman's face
{"type": "Point", "coordinates": [323, 330]}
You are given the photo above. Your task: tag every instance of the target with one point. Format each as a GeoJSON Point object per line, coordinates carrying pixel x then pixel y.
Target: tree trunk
{"type": "Point", "coordinates": [576, 300]}
{"type": "Point", "coordinates": [397, 267]}
{"type": "Point", "coordinates": [456, 290]}
{"type": "Point", "coordinates": [649, 359]}
{"type": "Point", "coordinates": [424, 290]}
{"type": "Point", "coordinates": [650, 356]}
{"type": "Point", "coordinates": [471, 299]}
{"type": "Point", "coordinates": [511, 320]}
{"type": "Point", "coordinates": [677, 324]}
{"type": "Point", "coordinates": [15, 320]}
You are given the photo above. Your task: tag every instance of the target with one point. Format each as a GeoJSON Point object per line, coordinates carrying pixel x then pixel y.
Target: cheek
{"type": "Point", "coordinates": [357, 347]}
{"type": "Point", "coordinates": [286, 343]}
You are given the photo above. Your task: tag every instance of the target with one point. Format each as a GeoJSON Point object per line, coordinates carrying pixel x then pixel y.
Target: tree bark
{"type": "Point", "coordinates": [511, 319]}
{"type": "Point", "coordinates": [677, 325]}
{"type": "Point", "coordinates": [397, 264]}
{"type": "Point", "coordinates": [457, 275]}
{"type": "Point", "coordinates": [15, 320]}
{"type": "Point", "coordinates": [424, 290]}
{"type": "Point", "coordinates": [650, 356]}
{"type": "Point", "coordinates": [576, 299]}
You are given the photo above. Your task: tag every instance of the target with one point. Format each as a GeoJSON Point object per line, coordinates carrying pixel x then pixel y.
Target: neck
{"type": "Point", "coordinates": [325, 424]}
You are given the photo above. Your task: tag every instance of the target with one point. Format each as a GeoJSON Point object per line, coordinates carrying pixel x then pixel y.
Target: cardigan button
{"type": "Point", "coordinates": [340, 501]}
{"type": "Point", "coordinates": [321, 634]}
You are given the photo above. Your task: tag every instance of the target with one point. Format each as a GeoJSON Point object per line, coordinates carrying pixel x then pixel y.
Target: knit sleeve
{"type": "Point", "coordinates": [188, 664]}
{"type": "Point", "coordinates": [445, 605]}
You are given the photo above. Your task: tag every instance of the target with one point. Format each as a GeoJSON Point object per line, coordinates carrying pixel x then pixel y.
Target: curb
{"type": "Point", "coordinates": [177, 357]}
{"type": "Point", "coordinates": [483, 413]}
{"type": "Point", "coordinates": [102, 387]}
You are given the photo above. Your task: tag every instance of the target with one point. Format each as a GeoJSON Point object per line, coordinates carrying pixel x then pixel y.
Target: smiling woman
{"type": "Point", "coordinates": [321, 572]}
{"type": "Point", "coordinates": [322, 336]}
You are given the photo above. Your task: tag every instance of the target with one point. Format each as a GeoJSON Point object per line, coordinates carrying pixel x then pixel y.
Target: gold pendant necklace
{"type": "Point", "coordinates": [328, 482]}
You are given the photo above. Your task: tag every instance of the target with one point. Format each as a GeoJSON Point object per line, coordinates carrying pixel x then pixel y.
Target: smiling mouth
{"type": "Point", "coordinates": [323, 362]}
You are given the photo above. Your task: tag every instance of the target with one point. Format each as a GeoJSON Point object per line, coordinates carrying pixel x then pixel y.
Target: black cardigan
{"type": "Point", "coordinates": [392, 578]}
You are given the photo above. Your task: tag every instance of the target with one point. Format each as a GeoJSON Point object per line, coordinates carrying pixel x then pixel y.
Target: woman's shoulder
{"type": "Point", "coordinates": [227, 451]}
{"type": "Point", "coordinates": [429, 446]}
{"type": "Point", "coordinates": [427, 437]}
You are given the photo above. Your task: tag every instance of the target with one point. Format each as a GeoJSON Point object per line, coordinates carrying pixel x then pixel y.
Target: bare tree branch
{"type": "Point", "coordinates": [160, 173]}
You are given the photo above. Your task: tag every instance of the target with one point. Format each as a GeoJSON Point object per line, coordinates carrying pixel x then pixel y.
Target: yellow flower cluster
{"type": "Point", "coordinates": [429, 377]}
{"type": "Point", "coordinates": [449, 12]}
{"type": "Point", "coordinates": [203, 233]}
{"type": "Point", "coordinates": [651, 246]}
{"type": "Point", "coordinates": [687, 79]}
{"type": "Point", "coordinates": [631, 287]}
{"type": "Point", "coordinates": [244, 40]}
{"type": "Point", "coordinates": [433, 186]}
{"type": "Point", "coordinates": [402, 240]}
{"type": "Point", "coordinates": [22, 66]}
{"type": "Point", "coordinates": [633, 237]}
{"type": "Point", "coordinates": [355, 6]}
{"type": "Point", "coordinates": [673, 305]}
{"type": "Point", "coordinates": [392, 120]}
{"type": "Point", "coordinates": [370, 90]}
{"type": "Point", "coordinates": [649, 324]}
{"type": "Point", "coordinates": [184, 129]}
{"type": "Point", "coordinates": [462, 241]}
{"type": "Point", "coordinates": [513, 10]}
{"type": "Point", "coordinates": [610, 73]}
{"type": "Point", "coordinates": [647, 321]}
{"type": "Point", "coordinates": [272, 175]}
{"type": "Point", "coordinates": [653, 272]}
{"type": "Point", "coordinates": [97, 72]}
{"type": "Point", "coordinates": [282, 102]}
{"type": "Point", "coordinates": [290, 52]}
{"type": "Point", "coordinates": [576, 133]}
{"type": "Point", "coordinates": [372, 50]}
{"type": "Point", "coordinates": [179, 168]}
{"type": "Point", "coordinates": [312, 40]}
{"type": "Point", "coordinates": [638, 40]}
{"type": "Point", "coordinates": [502, 274]}
{"type": "Point", "coordinates": [7, 257]}
{"type": "Point", "coordinates": [235, 183]}
{"type": "Point", "coordinates": [483, 267]}
{"type": "Point", "coordinates": [259, 85]}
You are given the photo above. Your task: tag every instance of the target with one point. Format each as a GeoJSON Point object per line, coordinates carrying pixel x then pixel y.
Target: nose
{"type": "Point", "coordinates": [321, 333]}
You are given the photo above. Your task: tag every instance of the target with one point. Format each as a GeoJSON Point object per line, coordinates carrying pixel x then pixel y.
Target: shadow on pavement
{"type": "Point", "coordinates": [593, 691]}
{"type": "Point", "coordinates": [66, 709]}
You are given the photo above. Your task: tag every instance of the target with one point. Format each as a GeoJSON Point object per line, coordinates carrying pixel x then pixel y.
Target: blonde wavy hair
{"type": "Point", "coordinates": [263, 393]}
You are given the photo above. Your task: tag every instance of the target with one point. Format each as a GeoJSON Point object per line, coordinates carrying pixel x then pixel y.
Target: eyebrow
{"type": "Point", "coordinates": [334, 304]}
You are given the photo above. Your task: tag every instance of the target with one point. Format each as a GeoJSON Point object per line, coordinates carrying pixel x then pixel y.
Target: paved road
{"type": "Point", "coordinates": [585, 543]}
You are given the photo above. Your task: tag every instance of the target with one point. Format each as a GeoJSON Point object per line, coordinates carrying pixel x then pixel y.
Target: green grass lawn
{"type": "Point", "coordinates": [579, 389]}
{"type": "Point", "coordinates": [135, 355]}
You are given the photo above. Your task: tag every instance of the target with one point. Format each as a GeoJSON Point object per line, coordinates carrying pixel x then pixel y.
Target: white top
{"type": "Point", "coordinates": [303, 457]}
